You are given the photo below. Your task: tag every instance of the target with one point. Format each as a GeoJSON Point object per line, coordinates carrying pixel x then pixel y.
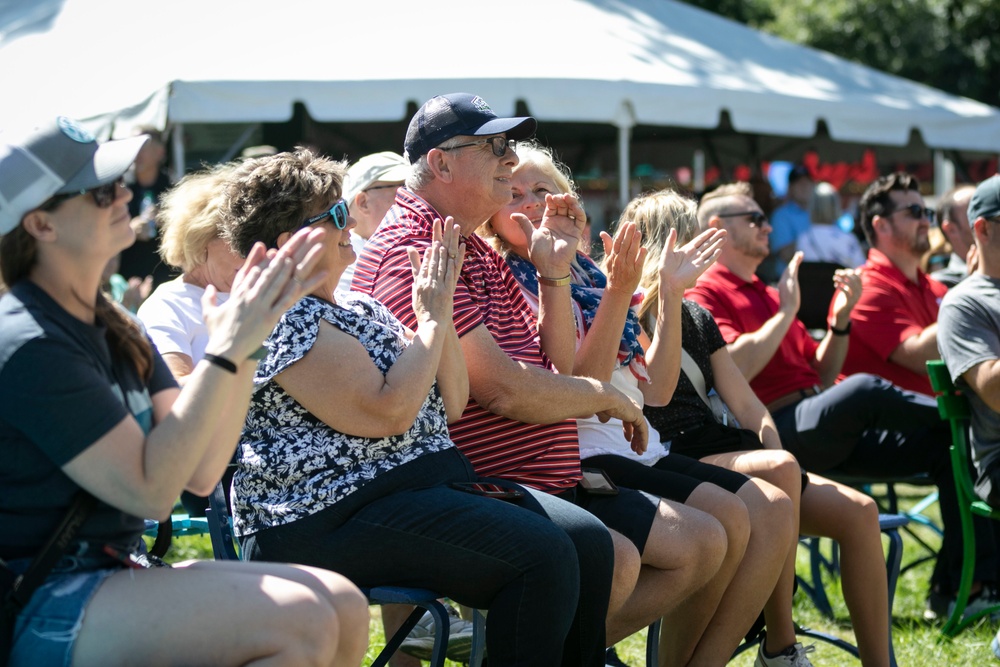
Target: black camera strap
{"type": "Point", "coordinates": [26, 584]}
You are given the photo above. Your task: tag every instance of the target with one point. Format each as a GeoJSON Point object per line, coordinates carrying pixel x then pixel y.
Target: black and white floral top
{"type": "Point", "coordinates": [291, 464]}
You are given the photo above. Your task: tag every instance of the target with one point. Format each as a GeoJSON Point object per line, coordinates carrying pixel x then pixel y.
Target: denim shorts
{"type": "Point", "coordinates": [47, 628]}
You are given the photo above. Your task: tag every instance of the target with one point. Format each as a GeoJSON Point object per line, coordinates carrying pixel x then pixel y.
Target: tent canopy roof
{"type": "Point", "coordinates": [649, 62]}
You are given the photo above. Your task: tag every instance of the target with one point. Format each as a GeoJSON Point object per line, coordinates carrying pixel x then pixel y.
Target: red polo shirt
{"type": "Point", "coordinates": [740, 307]}
{"type": "Point", "coordinates": [892, 308]}
{"type": "Point", "coordinates": [543, 456]}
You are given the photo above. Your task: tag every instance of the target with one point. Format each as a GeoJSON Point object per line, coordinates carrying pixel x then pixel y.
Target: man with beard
{"type": "Point", "coordinates": [863, 424]}
{"type": "Point", "coordinates": [895, 321]}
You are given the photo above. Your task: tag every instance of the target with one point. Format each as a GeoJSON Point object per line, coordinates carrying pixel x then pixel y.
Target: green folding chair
{"type": "Point", "coordinates": [954, 408]}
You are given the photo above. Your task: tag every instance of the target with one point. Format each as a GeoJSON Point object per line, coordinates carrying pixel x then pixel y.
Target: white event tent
{"type": "Point", "coordinates": [624, 63]}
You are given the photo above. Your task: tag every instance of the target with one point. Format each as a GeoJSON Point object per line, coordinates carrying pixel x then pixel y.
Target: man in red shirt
{"type": "Point", "coordinates": [864, 425]}
{"type": "Point", "coordinates": [895, 321]}
{"type": "Point", "coordinates": [519, 424]}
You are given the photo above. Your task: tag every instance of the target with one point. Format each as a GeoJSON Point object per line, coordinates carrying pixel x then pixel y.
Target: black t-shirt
{"type": "Point", "coordinates": [142, 258]}
{"type": "Point", "coordinates": [60, 391]}
{"type": "Point", "coordinates": [701, 338]}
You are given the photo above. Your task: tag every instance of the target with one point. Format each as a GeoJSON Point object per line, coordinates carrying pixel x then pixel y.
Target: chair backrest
{"type": "Point", "coordinates": [953, 407]}
{"type": "Point", "coordinates": [220, 526]}
{"type": "Point", "coordinates": [816, 287]}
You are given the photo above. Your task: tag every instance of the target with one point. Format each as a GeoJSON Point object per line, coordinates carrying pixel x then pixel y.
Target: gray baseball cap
{"type": "Point", "coordinates": [60, 157]}
{"type": "Point", "coordinates": [985, 202]}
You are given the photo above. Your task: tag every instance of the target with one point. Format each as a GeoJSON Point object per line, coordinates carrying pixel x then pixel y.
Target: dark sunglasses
{"type": "Point", "coordinates": [104, 195]}
{"type": "Point", "coordinates": [757, 219]}
{"type": "Point", "coordinates": [915, 211]}
{"type": "Point", "coordinates": [337, 213]}
{"type": "Point", "coordinates": [498, 144]}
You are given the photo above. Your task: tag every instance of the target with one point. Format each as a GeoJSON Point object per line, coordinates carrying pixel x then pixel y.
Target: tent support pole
{"type": "Point", "coordinates": [177, 148]}
{"type": "Point", "coordinates": [625, 121]}
{"type": "Point", "coordinates": [698, 168]}
{"type": "Point", "coordinates": [944, 173]}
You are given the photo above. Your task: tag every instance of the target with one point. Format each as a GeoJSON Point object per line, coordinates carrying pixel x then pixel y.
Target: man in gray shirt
{"type": "Point", "coordinates": [969, 337]}
{"type": "Point", "coordinates": [969, 341]}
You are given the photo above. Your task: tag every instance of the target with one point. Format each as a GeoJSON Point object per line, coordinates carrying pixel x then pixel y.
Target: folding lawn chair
{"type": "Point", "coordinates": [954, 408]}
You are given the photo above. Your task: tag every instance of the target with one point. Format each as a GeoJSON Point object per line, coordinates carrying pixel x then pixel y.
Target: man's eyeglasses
{"type": "Point", "coordinates": [104, 195]}
{"type": "Point", "coordinates": [757, 219]}
{"type": "Point", "coordinates": [337, 213]}
{"type": "Point", "coordinates": [498, 144]}
{"type": "Point", "coordinates": [915, 211]}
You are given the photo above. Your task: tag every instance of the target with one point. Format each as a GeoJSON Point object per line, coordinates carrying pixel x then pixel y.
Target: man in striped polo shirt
{"type": "Point", "coordinates": [519, 424]}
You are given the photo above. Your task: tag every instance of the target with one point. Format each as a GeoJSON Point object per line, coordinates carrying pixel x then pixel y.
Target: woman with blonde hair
{"type": "Point", "coordinates": [824, 507]}
{"type": "Point", "coordinates": [172, 315]}
{"type": "Point", "coordinates": [592, 331]}
{"type": "Point", "coordinates": [824, 241]}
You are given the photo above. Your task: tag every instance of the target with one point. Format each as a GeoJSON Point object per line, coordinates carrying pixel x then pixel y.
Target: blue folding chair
{"type": "Point", "coordinates": [178, 525]}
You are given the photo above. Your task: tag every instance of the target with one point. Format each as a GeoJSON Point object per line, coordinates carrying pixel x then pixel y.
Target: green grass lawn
{"type": "Point", "coordinates": [917, 642]}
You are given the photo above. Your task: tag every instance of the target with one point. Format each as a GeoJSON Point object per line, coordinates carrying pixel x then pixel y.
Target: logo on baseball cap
{"type": "Point", "coordinates": [59, 157]}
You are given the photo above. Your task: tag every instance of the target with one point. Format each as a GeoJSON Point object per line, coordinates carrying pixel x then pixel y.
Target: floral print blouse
{"type": "Point", "coordinates": [290, 463]}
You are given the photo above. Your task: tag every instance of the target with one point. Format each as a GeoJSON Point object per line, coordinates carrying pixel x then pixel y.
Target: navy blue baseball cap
{"type": "Point", "coordinates": [446, 116]}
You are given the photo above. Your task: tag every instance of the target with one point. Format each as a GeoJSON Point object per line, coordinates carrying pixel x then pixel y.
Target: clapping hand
{"type": "Point", "coordinates": [681, 267]}
{"type": "Point", "coordinates": [625, 258]}
{"type": "Point", "coordinates": [267, 285]}
{"type": "Point", "coordinates": [789, 294]}
{"type": "Point", "coordinates": [436, 275]}
{"type": "Point", "coordinates": [847, 283]}
{"type": "Point", "coordinates": [553, 244]}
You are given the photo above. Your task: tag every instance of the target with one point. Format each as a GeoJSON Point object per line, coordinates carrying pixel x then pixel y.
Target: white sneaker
{"type": "Point", "coordinates": [793, 656]}
{"type": "Point", "coordinates": [420, 642]}
{"type": "Point", "coordinates": [995, 645]}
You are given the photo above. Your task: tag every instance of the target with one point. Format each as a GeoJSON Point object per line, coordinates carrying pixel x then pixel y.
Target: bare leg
{"type": "Point", "coordinates": [627, 567]}
{"type": "Point", "coordinates": [228, 614]}
{"type": "Point", "coordinates": [684, 643]}
{"type": "Point", "coordinates": [767, 512]}
{"type": "Point", "coordinates": [685, 549]}
{"type": "Point", "coordinates": [833, 510]}
{"type": "Point", "coordinates": [393, 617]}
{"type": "Point", "coordinates": [781, 470]}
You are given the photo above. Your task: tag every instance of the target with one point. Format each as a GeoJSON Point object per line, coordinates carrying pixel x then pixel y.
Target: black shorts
{"type": "Point", "coordinates": [629, 512]}
{"type": "Point", "coordinates": [713, 438]}
{"type": "Point", "coordinates": [674, 477]}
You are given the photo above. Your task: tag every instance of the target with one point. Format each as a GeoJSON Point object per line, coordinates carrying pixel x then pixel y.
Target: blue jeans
{"type": "Point", "coordinates": [46, 630]}
{"type": "Point", "coordinates": [521, 560]}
